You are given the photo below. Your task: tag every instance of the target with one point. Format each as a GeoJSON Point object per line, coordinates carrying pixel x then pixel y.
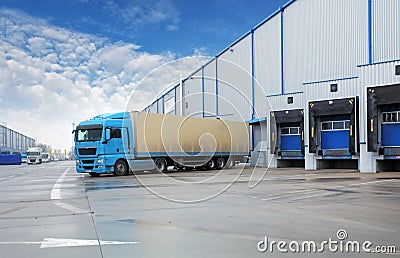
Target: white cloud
{"type": "Point", "coordinates": [135, 14]}
{"type": "Point", "coordinates": [51, 77]}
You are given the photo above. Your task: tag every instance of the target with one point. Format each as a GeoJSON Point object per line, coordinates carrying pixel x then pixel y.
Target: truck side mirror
{"type": "Point", "coordinates": [108, 135]}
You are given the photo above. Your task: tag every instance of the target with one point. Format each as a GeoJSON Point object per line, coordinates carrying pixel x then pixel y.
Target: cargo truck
{"type": "Point", "coordinates": [34, 155]}
{"type": "Point", "coordinates": [45, 157]}
{"type": "Point", "coordinates": [125, 142]}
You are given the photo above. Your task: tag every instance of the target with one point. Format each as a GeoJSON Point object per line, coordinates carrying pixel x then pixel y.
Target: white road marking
{"type": "Point", "coordinates": [58, 242]}
{"type": "Point", "coordinates": [291, 194]}
{"type": "Point", "coordinates": [61, 242]}
{"type": "Point", "coordinates": [56, 195]}
{"type": "Point", "coordinates": [55, 191]}
{"type": "Point", "coordinates": [312, 193]}
{"type": "Point", "coordinates": [376, 182]}
{"type": "Point", "coordinates": [71, 207]}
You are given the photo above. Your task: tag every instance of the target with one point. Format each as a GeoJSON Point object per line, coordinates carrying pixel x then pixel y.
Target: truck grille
{"type": "Point", "coordinates": [88, 161]}
{"type": "Point", "coordinates": [87, 151]}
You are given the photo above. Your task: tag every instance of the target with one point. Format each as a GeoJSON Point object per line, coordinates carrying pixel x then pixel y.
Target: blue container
{"type": "Point", "coordinates": [10, 159]}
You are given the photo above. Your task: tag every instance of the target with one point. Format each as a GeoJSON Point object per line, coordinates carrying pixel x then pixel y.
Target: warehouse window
{"type": "Point", "coordinates": [334, 87]}
{"type": "Point", "coordinates": [290, 131]}
{"type": "Point", "coordinates": [397, 69]}
{"type": "Point", "coordinates": [290, 100]}
{"type": "Point", "coordinates": [391, 117]}
{"type": "Point", "coordinates": [335, 125]}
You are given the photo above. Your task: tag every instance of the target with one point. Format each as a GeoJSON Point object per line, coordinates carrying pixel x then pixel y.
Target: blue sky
{"type": "Point", "coordinates": [64, 61]}
{"type": "Point", "coordinates": [179, 26]}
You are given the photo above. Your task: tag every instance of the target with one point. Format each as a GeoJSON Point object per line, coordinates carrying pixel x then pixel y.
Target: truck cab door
{"type": "Point", "coordinates": [114, 145]}
{"type": "Point", "coordinates": [126, 141]}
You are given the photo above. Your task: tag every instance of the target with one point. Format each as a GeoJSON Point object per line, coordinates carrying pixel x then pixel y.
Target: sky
{"type": "Point", "coordinates": [64, 61]}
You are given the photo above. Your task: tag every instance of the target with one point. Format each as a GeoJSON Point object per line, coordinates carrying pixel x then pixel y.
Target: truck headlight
{"type": "Point", "coordinates": [100, 161]}
{"type": "Point", "coordinates": [77, 161]}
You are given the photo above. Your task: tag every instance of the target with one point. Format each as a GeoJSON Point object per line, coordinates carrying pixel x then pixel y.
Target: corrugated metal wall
{"type": "Point", "coordinates": [267, 56]}
{"type": "Point", "coordinates": [169, 102]}
{"type": "Point", "coordinates": [234, 81]}
{"type": "Point", "coordinates": [386, 27]}
{"type": "Point", "coordinates": [323, 40]}
{"type": "Point", "coordinates": [192, 103]}
{"type": "Point", "coordinates": [378, 74]}
{"type": "Point", "coordinates": [153, 108]}
{"type": "Point", "coordinates": [280, 102]}
{"type": "Point", "coordinates": [322, 90]}
{"type": "Point", "coordinates": [210, 89]}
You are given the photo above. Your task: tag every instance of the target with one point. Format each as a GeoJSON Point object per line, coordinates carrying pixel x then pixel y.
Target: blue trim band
{"type": "Point", "coordinates": [202, 88]}
{"type": "Point", "coordinates": [288, 93]}
{"type": "Point", "coordinates": [331, 80]}
{"type": "Point", "coordinates": [370, 53]}
{"type": "Point", "coordinates": [183, 99]}
{"type": "Point", "coordinates": [157, 105]}
{"type": "Point", "coordinates": [216, 86]}
{"type": "Point", "coordinates": [282, 54]}
{"type": "Point", "coordinates": [163, 105]}
{"type": "Point", "coordinates": [284, 6]}
{"type": "Point", "coordinates": [256, 120]}
{"type": "Point", "coordinates": [252, 75]}
{"type": "Point", "coordinates": [382, 62]}
{"type": "Point", "coordinates": [175, 100]}
{"type": "Point", "coordinates": [363, 143]}
{"type": "Point", "coordinates": [273, 14]}
{"type": "Point", "coordinates": [220, 115]}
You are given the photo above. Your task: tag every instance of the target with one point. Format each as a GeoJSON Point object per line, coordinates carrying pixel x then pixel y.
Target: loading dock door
{"type": "Point", "coordinates": [391, 129]}
{"type": "Point", "coordinates": [377, 98]}
{"type": "Point", "coordinates": [287, 133]}
{"type": "Point", "coordinates": [335, 135]}
{"type": "Point", "coordinates": [333, 127]}
{"type": "Point", "coordinates": [290, 139]}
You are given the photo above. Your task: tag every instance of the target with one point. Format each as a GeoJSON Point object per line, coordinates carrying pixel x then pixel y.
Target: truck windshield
{"type": "Point", "coordinates": [33, 153]}
{"type": "Point", "coordinates": [88, 135]}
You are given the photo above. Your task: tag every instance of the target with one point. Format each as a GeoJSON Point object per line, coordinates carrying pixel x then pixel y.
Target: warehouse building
{"type": "Point", "coordinates": [318, 81]}
{"type": "Point", "coordinates": [14, 142]}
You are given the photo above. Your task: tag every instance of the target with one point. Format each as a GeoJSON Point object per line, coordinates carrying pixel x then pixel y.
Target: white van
{"type": "Point", "coordinates": [45, 157]}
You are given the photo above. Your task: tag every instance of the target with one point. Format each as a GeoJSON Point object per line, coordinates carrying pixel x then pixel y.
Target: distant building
{"type": "Point", "coordinates": [12, 141]}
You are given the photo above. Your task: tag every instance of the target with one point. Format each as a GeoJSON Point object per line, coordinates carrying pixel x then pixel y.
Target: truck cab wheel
{"type": "Point", "coordinates": [120, 168]}
{"type": "Point", "coordinates": [220, 163]}
{"type": "Point", "coordinates": [161, 165]}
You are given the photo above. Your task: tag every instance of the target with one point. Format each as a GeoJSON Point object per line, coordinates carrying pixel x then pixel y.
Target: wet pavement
{"type": "Point", "coordinates": [48, 210]}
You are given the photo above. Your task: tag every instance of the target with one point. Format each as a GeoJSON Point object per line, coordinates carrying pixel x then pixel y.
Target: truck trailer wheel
{"type": "Point", "coordinates": [220, 163]}
{"type": "Point", "coordinates": [230, 163]}
{"type": "Point", "coordinates": [210, 164]}
{"type": "Point", "coordinates": [120, 168]}
{"type": "Point", "coordinates": [161, 165]}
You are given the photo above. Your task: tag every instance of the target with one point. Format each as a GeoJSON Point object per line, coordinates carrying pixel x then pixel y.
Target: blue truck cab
{"type": "Point", "coordinates": [103, 144]}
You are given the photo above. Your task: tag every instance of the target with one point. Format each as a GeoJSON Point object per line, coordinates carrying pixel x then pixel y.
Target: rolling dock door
{"type": "Point", "coordinates": [383, 124]}
{"type": "Point", "coordinates": [287, 137]}
{"type": "Point", "coordinates": [332, 126]}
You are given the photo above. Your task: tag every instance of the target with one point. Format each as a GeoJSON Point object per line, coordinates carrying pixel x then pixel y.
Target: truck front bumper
{"type": "Point", "coordinates": [93, 165]}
